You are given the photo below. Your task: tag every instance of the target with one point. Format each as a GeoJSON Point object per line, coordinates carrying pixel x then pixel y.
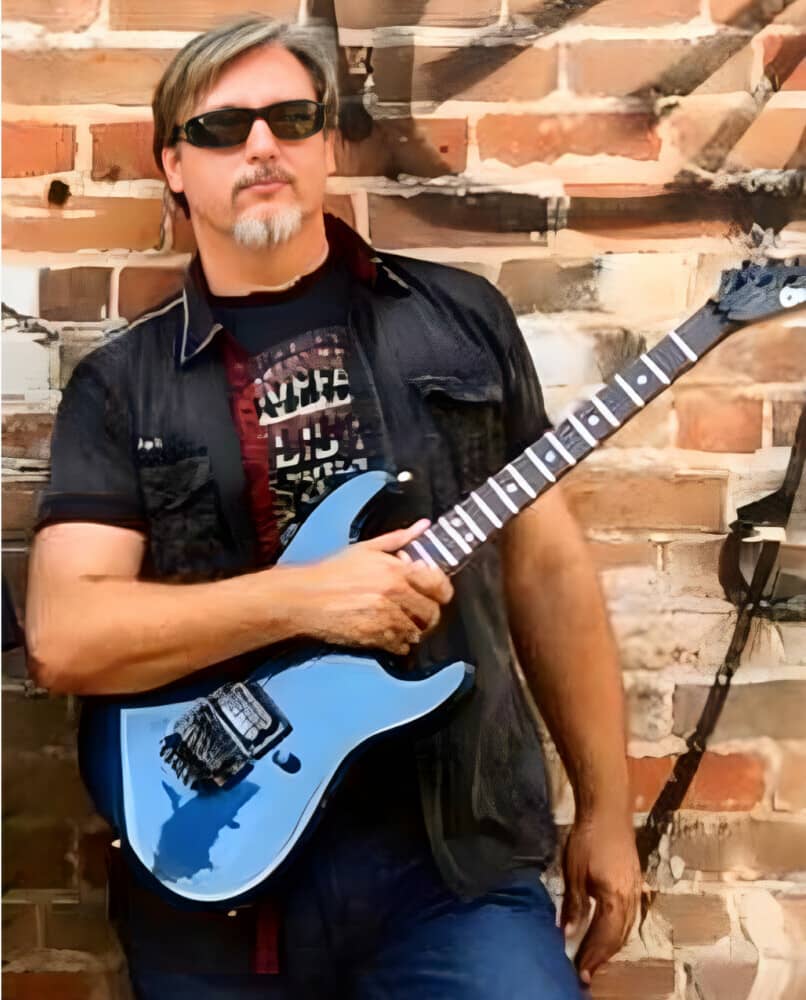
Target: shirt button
{"type": "Point", "coordinates": [405, 476]}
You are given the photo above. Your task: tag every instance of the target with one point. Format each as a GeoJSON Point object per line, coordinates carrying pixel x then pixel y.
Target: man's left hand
{"type": "Point", "coordinates": [600, 860]}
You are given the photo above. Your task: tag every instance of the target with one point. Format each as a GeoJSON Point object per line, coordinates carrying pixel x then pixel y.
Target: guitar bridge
{"type": "Point", "coordinates": [218, 738]}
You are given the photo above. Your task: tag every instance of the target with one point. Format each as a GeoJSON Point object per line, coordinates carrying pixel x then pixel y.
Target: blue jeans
{"type": "Point", "coordinates": [368, 917]}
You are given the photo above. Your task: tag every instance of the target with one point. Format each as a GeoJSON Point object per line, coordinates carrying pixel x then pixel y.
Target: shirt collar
{"type": "Point", "coordinates": [199, 327]}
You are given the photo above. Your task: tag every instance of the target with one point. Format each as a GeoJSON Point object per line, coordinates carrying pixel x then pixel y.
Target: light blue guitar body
{"type": "Point", "coordinates": [216, 847]}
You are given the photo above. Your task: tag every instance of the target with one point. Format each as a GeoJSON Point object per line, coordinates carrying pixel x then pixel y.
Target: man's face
{"type": "Point", "coordinates": [262, 191]}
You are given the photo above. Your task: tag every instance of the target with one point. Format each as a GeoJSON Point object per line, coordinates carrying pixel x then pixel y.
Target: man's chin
{"type": "Point", "coordinates": [257, 232]}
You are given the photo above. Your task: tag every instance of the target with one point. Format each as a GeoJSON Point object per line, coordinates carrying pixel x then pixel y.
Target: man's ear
{"type": "Point", "coordinates": [172, 165]}
{"type": "Point", "coordinates": [330, 151]}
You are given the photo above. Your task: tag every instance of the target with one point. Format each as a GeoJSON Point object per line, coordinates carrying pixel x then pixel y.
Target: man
{"type": "Point", "coordinates": [190, 448]}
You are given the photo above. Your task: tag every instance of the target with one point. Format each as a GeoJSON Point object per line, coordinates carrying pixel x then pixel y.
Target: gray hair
{"type": "Point", "coordinates": [197, 67]}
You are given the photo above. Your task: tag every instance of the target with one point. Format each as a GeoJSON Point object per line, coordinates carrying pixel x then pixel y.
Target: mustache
{"type": "Point", "coordinates": [262, 177]}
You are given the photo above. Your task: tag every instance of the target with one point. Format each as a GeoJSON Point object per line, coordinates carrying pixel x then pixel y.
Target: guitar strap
{"type": "Point", "coordinates": [755, 598]}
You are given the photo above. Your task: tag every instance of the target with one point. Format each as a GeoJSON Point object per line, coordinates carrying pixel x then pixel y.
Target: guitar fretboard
{"type": "Point", "coordinates": [453, 539]}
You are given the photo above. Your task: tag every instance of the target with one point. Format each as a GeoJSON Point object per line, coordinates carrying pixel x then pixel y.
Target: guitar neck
{"type": "Point", "coordinates": [453, 539]}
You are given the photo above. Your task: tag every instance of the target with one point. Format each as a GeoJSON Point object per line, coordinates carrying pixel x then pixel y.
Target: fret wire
{"type": "Point", "coordinates": [470, 523]}
{"type": "Point", "coordinates": [523, 483]}
{"type": "Point", "coordinates": [446, 554]}
{"type": "Point", "coordinates": [423, 553]}
{"type": "Point", "coordinates": [560, 447]}
{"type": "Point", "coordinates": [582, 430]}
{"type": "Point", "coordinates": [541, 467]}
{"type": "Point", "coordinates": [443, 522]}
{"type": "Point", "coordinates": [656, 370]}
{"type": "Point", "coordinates": [605, 411]}
{"type": "Point", "coordinates": [628, 389]}
{"type": "Point", "coordinates": [491, 516]}
{"type": "Point", "coordinates": [683, 345]}
{"type": "Point", "coordinates": [502, 496]}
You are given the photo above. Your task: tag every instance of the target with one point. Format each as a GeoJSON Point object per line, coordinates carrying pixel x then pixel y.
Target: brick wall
{"type": "Point", "coordinates": [601, 162]}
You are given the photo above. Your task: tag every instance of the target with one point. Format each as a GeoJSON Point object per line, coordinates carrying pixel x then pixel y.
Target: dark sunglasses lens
{"type": "Point", "coordinates": [227, 127]}
{"type": "Point", "coordinates": [295, 119]}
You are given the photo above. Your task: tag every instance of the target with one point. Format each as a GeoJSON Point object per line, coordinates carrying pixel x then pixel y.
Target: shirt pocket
{"type": "Point", "coordinates": [184, 516]}
{"type": "Point", "coordinates": [467, 418]}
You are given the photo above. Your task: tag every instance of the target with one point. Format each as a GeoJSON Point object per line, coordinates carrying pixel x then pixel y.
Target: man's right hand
{"type": "Point", "coordinates": [368, 596]}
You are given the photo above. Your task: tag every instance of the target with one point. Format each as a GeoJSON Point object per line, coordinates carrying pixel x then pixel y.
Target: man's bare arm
{"type": "Point", "coordinates": [92, 627]}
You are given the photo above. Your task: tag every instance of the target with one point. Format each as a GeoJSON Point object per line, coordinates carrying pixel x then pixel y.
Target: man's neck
{"type": "Point", "coordinates": [231, 269]}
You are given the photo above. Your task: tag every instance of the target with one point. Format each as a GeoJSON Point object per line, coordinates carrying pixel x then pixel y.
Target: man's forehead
{"type": "Point", "coordinates": [256, 78]}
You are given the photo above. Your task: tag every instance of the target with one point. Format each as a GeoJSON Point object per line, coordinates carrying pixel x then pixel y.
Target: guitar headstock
{"type": "Point", "coordinates": [756, 291]}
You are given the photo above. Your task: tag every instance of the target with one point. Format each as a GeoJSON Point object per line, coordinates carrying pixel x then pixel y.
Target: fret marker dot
{"type": "Point", "coordinates": [456, 522]}
{"type": "Point", "coordinates": [593, 420]}
{"type": "Point", "coordinates": [550, 456]}
{"type": "Point", "coordinates": [469, 536]}
{"type": "Point", "coordinates": [511, 487]}
{"type": "Point", "coordinates": [641, 380]}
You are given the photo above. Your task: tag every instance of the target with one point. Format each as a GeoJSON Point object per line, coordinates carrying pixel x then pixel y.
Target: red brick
{"type": "Point", "coordinates": [62, 986]}
{"type": "Point", "coordinates": [73, 16]}
{"type": "Point", "coordinates": [648, 979]}
{"type": "Point", "coordinates": [39, 786]}
{"type": "Point", "coordinates": [723, 976]}
{"type": "Point", "coordinates": [734, 12]}
{"type": "Point", "coordinates": [472, 73]}
{"type": "Point", "coordinates": [83, 76]}
{"type": "Point", "coordinates": [754, 847]}
{"type": "Point", "coordinates": [708, 130]}
{"type": "Point", "coordinates": [20, 498]}
{"type": "Point", "coordinates": [770, 351]}
{"type": "Point", "coordinates": [622, 67]}
{"type": "Point", "coordinates": [797, 78]}
{"type": "Point", "coordinates": [36, 855]}
{"type": "Point", "coordinates": [776, 139]}
{"type": "Point", "coordinates": [615, 554]}
{"type": "Point", "coordinates": [341, 205]}
{"type": "Point", "coordinates": [455, 221]}
{"type": "Point", "coordinates": [74, 293]}
{"type": "Point", "coordinates": [651, 499]}
{"type": "Point", "coordinates": [15, 570]}
{"type": "Point", "coordinates": [92, 858]}
{"type": "Point", "coordinates": [548, 285]}
{"type": "Point", "coordinates": [33, 148]}
{"type": "Point", "coordinates": [142, 288]}
{"type": "Point", "coordinates": [79, 927]}
{"type": "Point", "coordinates": [439, 13]}
{"type": "Point", "coordinates": [423, 147]}
{"type": "Point", "coordinates": [785, 417]}
{"type": "Point", "coordinates": [790, 790]}
{"type": "Point", "coordinates": [717, 420]}
{"type": "Point", "coordinates": [20, 927]}
{"type": "Point", "coordinates": [627, 13]}
{"type": "Point", "coordinates": [723, 782]}
{"type": "Point", "coordinates": [129, 223]}
{"type": "Point", "coordinates": [771, 708]}
{"type": "Point", "coordinates": [37, 723]}
{"type": "Point", "coordinates": [694, 920]}
{"type": "Point", "coordinates": [27, 435]}
{"type": "Point", "coordinates": [122, 151]}
{"type": "Point", "coordinates": [519, 139]}
{"type": "Point", "coordinates": [187, 15]}
{"type": "Point", "coordinates": [782, 51]}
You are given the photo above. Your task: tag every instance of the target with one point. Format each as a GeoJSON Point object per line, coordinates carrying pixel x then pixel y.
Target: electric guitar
{"type": "Point", "coordinates": [213, 787]}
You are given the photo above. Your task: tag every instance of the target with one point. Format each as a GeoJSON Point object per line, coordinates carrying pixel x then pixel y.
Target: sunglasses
{"type": "Point", "coordinates": [231, 126]}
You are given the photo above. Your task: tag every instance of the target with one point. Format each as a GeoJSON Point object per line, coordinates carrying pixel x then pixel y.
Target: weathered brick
{"type": "Point", "coordinates": [79, 927]}
{"type": "Point", "coordinates": [717, 420]}
{"type": "Point", "coordinates": [663, 280]}
{"type": "Point", "coordinates": [743, 13]}
{"type": "Point", "coordinates": [33, 148]}
{"type": "Point", "coordinates": [74, 293]}
{"type": "Point", "coordinates": [142, 288]}
{"type": "Point", "coordinates": [36, 855]}
{"type": "Point", "coordinates": [721, 976]}
{"type": "Point", "coordinates": [471, 73]}
{"type": "Point", "coordinates": [122, 151]}
{"type": "Point", "coordinates": [73, 16]}
{"type": "Point", "coordinates": [130, 223]}
{"type": "Point", "coordinates": [652, 640]}
{"type": "Point", "coordinates": [83, 76]}
{"type": "Point", "coordinates": [20, 927]}
{"type": "Point", "coordinates": [423, 147]}
{"type": "Point", "coordinates": [617, 552]}
{"type": "Point", "coordinates": [763, 352]}
{"type": "Point", "coordinates": [36, 723]}
{"type": "Point", "coordinates": [796, 80]}
{"type": "Point", "coordinates": [15, 571]}
{"type": "Point", "coordinates": [647, 979]}
{"type": "Point", "coordinates": [27, 434]}
{"type": "Point", "coordinates": [624, 67]}
{"type": "Point", "coordinates": [785, 417]}
{"type": "Point", "coordinates": [694, 919]}
{"type": "Point", "coordinates": [703, 129]}
{"type": "Point", "coordinates": [753, 847]}
{"type": "Point", "coordinates": [649, 710]}
{"type": "Point", "coordinates": [92, 858]}
{"type": "Point", "coordinates": [20, 498]}
{"type": "Point", "coordinates": [691, 564]}
{"type": "Point", "coordinates": [520, 139]}
{"type": "Point", "coordinates": [770, 708]}
{"type": "Point", "coordinates": [776, 139]}
{"type": "Point", "coordinates": [73, 346]}
{"type": "Point", "coordinates": [41, 786]}
{"type": "Point", "coordinates": [186, 15]}
{"type": "Point", "coordinates": [793, 639]}
{"type": "Point", "coordinates": [548, 285]}
{"type": "Point", "coordinates": [790, 789]}
{"type": "Point", "coordinates": [723, 782]}
{"type": "Point", "coordinates": [437, 13]}
{"type": "Point", "coordinates": [652, 499]}
{"type": "Point", "coordinates": [437, 220]}
{"type": "Point", "coordinates": [625, 13]}
{"type": "Point", "coordinates": [64, 986]}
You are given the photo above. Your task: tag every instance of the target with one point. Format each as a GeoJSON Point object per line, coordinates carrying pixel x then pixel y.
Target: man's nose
{"type": "Point", "coordinates": [261, 143]}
